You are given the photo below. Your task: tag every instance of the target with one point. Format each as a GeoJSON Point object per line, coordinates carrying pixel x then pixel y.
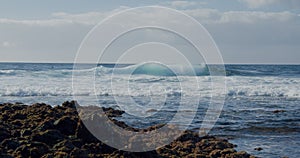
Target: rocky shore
{"type": "Point", "coordinates": [40, 130]}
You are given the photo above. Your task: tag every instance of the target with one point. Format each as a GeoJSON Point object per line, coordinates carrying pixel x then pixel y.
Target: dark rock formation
{"type": "Point", "coordinates": [40, 130]}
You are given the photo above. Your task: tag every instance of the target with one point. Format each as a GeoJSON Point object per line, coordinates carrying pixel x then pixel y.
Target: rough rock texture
{"type": "Point", "coordinates": [40, 130]}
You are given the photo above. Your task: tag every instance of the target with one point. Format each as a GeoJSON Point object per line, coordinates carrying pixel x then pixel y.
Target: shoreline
{"type": "Point", "coordinates": [41, 130]}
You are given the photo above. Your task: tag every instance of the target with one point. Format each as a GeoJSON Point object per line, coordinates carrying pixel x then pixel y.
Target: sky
{"type": "Point", "coordinates": [245, 31]}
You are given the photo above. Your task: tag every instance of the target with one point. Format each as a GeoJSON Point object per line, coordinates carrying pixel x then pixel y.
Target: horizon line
{"type": "Point", "coordinates": [35, 62]}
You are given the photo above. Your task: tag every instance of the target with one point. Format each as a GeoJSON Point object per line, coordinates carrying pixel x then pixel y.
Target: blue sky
{"type": "Point", "coordinates": [246, 31]}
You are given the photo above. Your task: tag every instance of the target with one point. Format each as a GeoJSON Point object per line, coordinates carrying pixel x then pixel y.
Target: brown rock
{"type": "Point", "coordinates": [45, 125]}
{"type": "Point", "coordinates": [5, 108]}
{"type": "Point", "coordinates": [258, 148]}
{"type": "Point", "coordinates": [227, 151]}
{"type": "Point", "coordinates": [25, 132]}
{"type": "Point", "coordinates": [110, 112]}
{"type": "Point", "coordinates": [66, 125]}
{"type": "Point", "coordinates": [241, 154]}
{"type": "Point", "coordinates": [49, 137]}
{"type": "Point", "coordinates": [4, 133]}
{"type": "Point", "coordinates": [60, 154]}
{"type": "Point", "coordinates": [79, 153]}
{"type": "Point", "coordinates": [40, 130]}
{"type": "Point", "coordinates": [84, 134]}
{"type": "Point", "coordinates": [64, 145]}
{"type": "Point", "coordinates": [215, 153]}
{"type": "Point", "coordinates": [10, 143]}
{"type": "Point", "coordinates": [6, 156]}
{"type": "Point", "coordinates": [18, 116]}
{"type": "Point", "coordinates": [38, 149]}
{"type": "Point", "coordinates": [22, 151]}
{"type": "Point", "coordinates": [71, 104]}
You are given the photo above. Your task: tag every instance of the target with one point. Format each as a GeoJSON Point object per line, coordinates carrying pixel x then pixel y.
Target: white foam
{"type": "Point", "coordinates": [144, 85]}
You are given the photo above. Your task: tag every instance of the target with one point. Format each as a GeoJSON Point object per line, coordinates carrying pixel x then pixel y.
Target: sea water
{"type": "Point", "coordinates": [261, 106]}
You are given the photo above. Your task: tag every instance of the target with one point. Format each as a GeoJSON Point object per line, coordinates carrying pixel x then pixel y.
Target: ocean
{"type": "Point", "coordinates": [261, 106]}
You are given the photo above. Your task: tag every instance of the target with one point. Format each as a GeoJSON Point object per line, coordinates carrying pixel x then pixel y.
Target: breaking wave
{"type": "Point", "coordinates": [157, 69]}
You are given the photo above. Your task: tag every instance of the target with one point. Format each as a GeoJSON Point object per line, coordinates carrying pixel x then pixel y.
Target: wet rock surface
{"type": "Point", "coordinates": [40, 130]}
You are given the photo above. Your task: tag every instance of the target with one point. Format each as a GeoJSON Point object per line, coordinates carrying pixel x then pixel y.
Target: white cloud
{"type": "Point", "coordinates": [205, 16]}
{"type": "Point", "coordinates": [50, 22]}
{"type": "Point", "coordinates": [208, 16]}
{"type": "Point", "coordinates": [255, 17]}
{"type": "Point", "coordinates": [259, 3]}
{"type": "Point", "coordinates": [89, 18]}
{"type": "Point", "coordinates": [264, 3]}
{"type": "Point", "coordinates": [253, 36]}
{"type": "Point", "coordinates": [7, 44]}
{"type": "Point", "coordinates": [62, 18]}
{"type": "Point", "coordinates": [182, 4]}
